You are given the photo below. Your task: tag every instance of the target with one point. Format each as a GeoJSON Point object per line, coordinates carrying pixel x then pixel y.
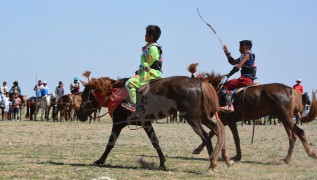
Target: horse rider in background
{"type": "Point", "coordinates": [74, 86]}
{"type": "Point", "coordinates": [300, 88]}
{"type": "Point", "coordinates": [59, 91]}
{"type": "Point", "coordinates": [15, 88]}
{"type": "Point", "coordinates": [38, 90]}
{"type": "Point", "coordinates": [246, 63]}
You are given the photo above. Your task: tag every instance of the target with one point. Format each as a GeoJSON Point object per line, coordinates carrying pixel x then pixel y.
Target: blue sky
{"type": "Point", "coordinates": [58, 40]}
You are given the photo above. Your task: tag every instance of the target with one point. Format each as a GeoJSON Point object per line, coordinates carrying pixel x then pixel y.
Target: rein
{"type": "Point", "coordinates": [253, 128]}
{"type": "Point", "coordinates": [223, 83]}
{"type": "Point", "coordinates": [103, 115]}
{"type": "Point", "coordinates": [89, 101]}
{"type": "Point", "coordinates": [100, 104]}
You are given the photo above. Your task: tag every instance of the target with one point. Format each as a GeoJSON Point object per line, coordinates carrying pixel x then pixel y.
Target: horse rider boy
{"type": "Point", "coordinates": [150, 68]}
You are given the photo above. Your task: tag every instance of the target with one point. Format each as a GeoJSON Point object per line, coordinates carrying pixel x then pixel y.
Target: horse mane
{"type": "Point", "coordinates": [120, 83]}
{"type": "Point", "coordinates": [103, 84]}
{"type": "Point", "coordinates": [213, 78]}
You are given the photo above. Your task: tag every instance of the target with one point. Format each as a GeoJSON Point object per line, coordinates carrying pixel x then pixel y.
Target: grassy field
{"type": "Point", "coordinates": [66, 150]}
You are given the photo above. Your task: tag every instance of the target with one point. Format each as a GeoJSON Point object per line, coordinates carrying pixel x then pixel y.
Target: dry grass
{"type": "Point", "coordinates": [66, 150]}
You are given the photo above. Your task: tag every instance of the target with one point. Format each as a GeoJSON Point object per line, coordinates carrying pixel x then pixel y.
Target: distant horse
{"type": "Point", "coordinates": [45, 104]}
{"type": "Point", "coordinates": [76, 101]}
{"type": "Point", "coordinates": [64, 104]}
{"type": "Point", "coordinates": [175, 118]}
{"type": "Point", "coordinates": [259, 101]}
{"type": "Point", "coordinates": [194, 99]}
{"type": "Point", "coordinates": [271, 118]}
{"type": "Point", "coordinates": [306, 103]}
{"type": "Point", "coordinates": [68, 105]}
{"type": "Point", "coordinates": [32, 106]}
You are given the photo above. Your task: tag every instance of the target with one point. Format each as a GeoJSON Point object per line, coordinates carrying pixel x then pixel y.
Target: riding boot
{"type": "Point", "coordinates": [131, 106]}
{"type": "Point", "coordinates": [228, 108]}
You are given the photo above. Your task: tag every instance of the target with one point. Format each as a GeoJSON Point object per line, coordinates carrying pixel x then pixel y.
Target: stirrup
{"type": "Point", "coordinates": [227, 109]}
{"type": "Point", "coordinates": [129, 106]}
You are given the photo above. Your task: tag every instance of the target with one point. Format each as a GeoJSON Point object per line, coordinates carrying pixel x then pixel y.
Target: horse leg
{"type": "Point", "coordinates": [234, 130]}
{"type": "Point", "coordinates": [220, 133]}
{"type": "Point", "coordinates": [37, 109]}
{"type": "Point", "coordinates": [301, 135]}
{"type": "Point", "coordinates": [148, 128]}
{"type": "Point", "coordinates": [197, 127]}
{"type": "Point", "coordinates": [115, 132]}
{"type": "Point", "coordinates": [292, 139]}
{"type": "Point", "coordinates": [42, 113]}
{"type": "Point", "coordinates": [46, 111]}
{"type": "Point", "coordinates": [198, 149]}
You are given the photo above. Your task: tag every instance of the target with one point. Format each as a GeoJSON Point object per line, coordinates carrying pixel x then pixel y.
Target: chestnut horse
{"type": "Point", "coordinates": [193, 98]}
{"type": "Point", "coordinates": [259, 101]}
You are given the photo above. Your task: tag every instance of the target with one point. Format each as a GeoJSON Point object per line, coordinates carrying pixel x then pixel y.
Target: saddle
{"type": "Point", "coordinates": [242, 89]}
{"type": "Point", "coordinates": [144, 89]}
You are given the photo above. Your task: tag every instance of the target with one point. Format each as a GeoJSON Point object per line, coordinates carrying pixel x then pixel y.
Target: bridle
{"type": "Point", "coordinates": [92, 108]}
{"type": "Point", "coordinates": [89, 102]}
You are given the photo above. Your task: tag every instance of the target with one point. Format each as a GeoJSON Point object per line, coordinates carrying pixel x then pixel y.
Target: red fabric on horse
{"type": "Point", "coordinates": [117, 96]}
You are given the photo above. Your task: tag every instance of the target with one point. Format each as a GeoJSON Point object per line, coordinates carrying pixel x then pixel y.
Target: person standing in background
{"type": "Point", "coordinates": [3, 88]}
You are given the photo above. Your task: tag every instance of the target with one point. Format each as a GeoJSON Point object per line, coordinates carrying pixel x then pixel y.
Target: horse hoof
{"type": "Point", "coordinates": [209, 172]}
{"type": "Point", "coordinates": [236, 158]}
{"type": "Point", "coordinates": [163, 168]}
{"type": "Point", "coordinates": [281, 162]}
{"type": "Point", "coordinates": [98, 163]}
{"type": "Point", "coordinates": [231, 163]}
{"type": "Point", "coordinates": [197, 151]}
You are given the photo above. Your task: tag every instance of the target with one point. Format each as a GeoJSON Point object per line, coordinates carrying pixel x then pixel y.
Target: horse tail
{"type": "Point", "coordinates": [210, 98]}
{"type": "Point", "coordinates": [313, 110]}
{"type": "Point", "coordinates": [210, 104]}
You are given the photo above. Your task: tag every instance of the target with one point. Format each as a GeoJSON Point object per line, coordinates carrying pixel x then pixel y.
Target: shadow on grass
{"type": "Point", "coordinates": [177, 157]}
{"type": "Point", "coordinates": [66, 164]}
{"type": "Point", "coordinates": [144, 165]}
{"type": "Point", "coordinates": [206, 159]}
{"type": "Point", "coordinates": [257, 162]}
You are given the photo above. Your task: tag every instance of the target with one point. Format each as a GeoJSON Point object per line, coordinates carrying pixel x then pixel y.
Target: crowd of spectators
{"type": "Point", "coordinates": [10, 98]}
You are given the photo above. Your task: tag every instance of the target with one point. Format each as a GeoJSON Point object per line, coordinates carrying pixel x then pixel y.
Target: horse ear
{"type": "Point", "coordinates": [84, 83]}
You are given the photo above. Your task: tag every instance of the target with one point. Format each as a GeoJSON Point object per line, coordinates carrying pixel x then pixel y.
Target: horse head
{"type": "Point", "coordinates": [93, 91]}
{"type": "Point", "coordinates": [305, 99]}
{"type": "Point", "coordinates": [213, 78]}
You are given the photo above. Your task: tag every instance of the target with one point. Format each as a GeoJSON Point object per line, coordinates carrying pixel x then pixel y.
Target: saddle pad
{"type": "Point", "coordinates": [117, 97]}
{"type": "Point", "coordinates": [251, 85]}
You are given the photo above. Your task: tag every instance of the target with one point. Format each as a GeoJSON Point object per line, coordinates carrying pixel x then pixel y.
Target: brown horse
{"type": "Point", "coordinates": [75, 105]}
{"type": "Point", "coordinates": [63, 107]}
{"type": "Point", "coordinates": [194, 99]}
{"type": "Point", "coordinates": [259, 101]}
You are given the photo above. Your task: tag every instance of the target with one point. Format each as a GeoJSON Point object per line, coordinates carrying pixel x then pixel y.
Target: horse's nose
{"type": "Point", "coordinates": [81, 116]}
